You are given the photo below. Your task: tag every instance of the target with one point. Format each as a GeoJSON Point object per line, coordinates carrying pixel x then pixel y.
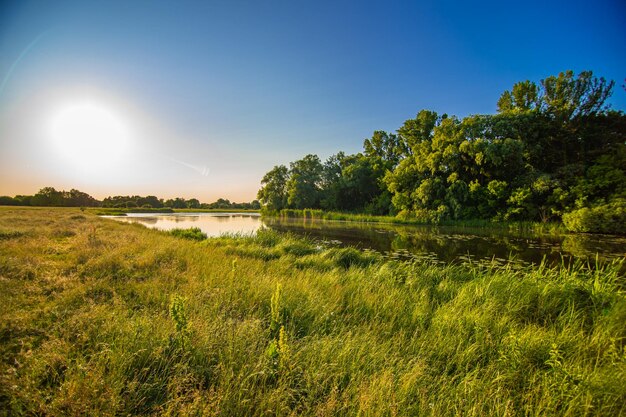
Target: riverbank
{"type": "Point", "coordinates": [109, 211]}
{"type": "Point", "coordinates": [522, 227]}
{"type": "Point", "coordinates": [105, 318]}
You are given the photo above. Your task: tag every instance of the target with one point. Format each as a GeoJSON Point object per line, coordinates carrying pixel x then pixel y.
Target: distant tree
{"type": "Point", "coordinates": [47, 196]}
{"type": "Point", "coordinates": [24, 200]}
{"type": "Point", "coordinates": [75, 198]}
{"type": "Point", "coordinates": [193, 203]}
{"type": "Point", "coordinates": [151, 201]}
{"type": "Point", "coordinates": [8, 201]}
{"type": "Point", "coordinates": [179, 203]}
{"type": "Point", "coordinates": [221, 203]}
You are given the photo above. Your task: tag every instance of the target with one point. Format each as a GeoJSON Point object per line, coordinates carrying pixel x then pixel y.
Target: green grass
{"type": "Point", "coordinates": [192, 233]}
{"type": "Point", "coordinates": [105, 318]}
{"type": "Point", "coordinates": [521, 227]}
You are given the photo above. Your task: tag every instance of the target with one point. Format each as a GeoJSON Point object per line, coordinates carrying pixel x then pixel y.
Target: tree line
{"type": "Point", "coordinates": [553, 148]}
{"type": "Point", "coordinates": [49, 196]}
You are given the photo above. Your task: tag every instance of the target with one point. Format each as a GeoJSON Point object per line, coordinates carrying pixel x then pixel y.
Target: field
{"type": "Point", "coordinates": [105, 318]}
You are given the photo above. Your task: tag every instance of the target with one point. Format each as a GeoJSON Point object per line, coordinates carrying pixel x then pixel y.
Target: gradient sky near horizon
{"type": "Point", "coordinates": [200, 99]}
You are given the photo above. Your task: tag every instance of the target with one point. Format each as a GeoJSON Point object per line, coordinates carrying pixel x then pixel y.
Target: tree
{"type": "Point", "coordinates": [304, 184]}
{"type": "Point", "coordinates": [385, 150]}
{"type": "Point", "coordinates": [273, 192]}
{"type": "Point", "coordinates": [418, 130]}
{"type": "Point", "coordinates": [193, 203]}
{"type": "Point", "coordinates": [5, 200]}
{"type": "Point", "coordinates": [553, 147]}
{"type": "Point", "coordinates": [523, 97]}
{"type": "Point", "coordinates": [47, 196]}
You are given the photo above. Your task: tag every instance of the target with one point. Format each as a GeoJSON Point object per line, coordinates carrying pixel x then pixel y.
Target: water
{"type": "Point", "coordinates": [213, 224]}
{"type": "Point", "coordinates": [439, 244]}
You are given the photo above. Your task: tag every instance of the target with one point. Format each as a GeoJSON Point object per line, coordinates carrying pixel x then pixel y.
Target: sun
{"type": "Point", "coordinates": [89, 136]}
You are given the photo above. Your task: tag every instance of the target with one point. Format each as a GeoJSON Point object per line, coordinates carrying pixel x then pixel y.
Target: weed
{"type": "Point", "coordinates": [181, 320]}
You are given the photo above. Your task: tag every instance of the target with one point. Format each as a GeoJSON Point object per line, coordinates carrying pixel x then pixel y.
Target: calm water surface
{"type": "Point", "coordinates": [441, 244]}
{"type": "Point", "coordinates": [213, 224]}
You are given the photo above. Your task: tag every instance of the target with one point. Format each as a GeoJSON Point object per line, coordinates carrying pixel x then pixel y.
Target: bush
{"type": "Point", "coordinates": [606, 218]}
{"type": "Point", "coordinates": [193, 233]}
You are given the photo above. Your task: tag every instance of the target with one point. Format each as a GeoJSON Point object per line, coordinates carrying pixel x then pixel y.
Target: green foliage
{"type": "Point", "coordinates": [278, 350]}
{"type": "Point", "coordinates": [554, 146]}
{"type": "Point", "coordinates": [273, 193]}
{"type": "Point", "coordinates": [48, 196]}
{"type": "Point", "coordinates": [303, 185]}
{"type": "Point", "coordinates": [605, 218]}
{"type": "Point", "coordinates": [181, 320]}
{"type": "Point", "coordinates": [192, 233]}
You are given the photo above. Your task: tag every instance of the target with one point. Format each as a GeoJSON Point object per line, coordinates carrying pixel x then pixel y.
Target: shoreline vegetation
{"type": "Point", "coordinates": [107, 318]}
{"type": "Point", "coordinates": [103, 211]}
{"type": "Point", "coordinates": [552, 228]}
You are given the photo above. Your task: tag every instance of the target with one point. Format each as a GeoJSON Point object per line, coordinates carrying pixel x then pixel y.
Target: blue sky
{"type": "Point", "coordinates": [216, 93]}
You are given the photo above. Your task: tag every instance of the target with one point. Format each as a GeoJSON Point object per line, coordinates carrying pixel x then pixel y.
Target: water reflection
{"type": "Point", "coordinates": [442, 244]}
{"type": "Point", "coordinates": [450, 244]}
{"type": "Point", "coordinates": [213, 224]}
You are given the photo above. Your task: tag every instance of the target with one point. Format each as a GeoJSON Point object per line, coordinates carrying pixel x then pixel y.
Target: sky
{"type": "Point", "coordinates": [200, 99]}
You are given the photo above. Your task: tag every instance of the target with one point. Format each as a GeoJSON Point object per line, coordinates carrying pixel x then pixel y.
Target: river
{"type": "Point", "coordinates": [442, 244]}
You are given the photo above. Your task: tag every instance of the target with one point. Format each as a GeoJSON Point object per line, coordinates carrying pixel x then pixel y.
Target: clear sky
{"type": "Point", "coordinates": [200, 99]}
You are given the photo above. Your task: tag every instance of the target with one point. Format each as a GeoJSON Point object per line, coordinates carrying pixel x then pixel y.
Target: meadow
{"type": "Point", "coordinates": [105, 318]}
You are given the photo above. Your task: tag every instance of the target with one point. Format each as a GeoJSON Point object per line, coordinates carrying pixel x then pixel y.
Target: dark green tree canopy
{"type": "Point", "coordinates": [553, 147]}
{"type": "Point", "coordinates": [273, 193]}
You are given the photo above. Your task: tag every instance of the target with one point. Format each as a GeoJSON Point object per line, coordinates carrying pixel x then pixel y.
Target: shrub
{"type": "Point", "coordinates": [606, 218]}
{"type": "Point", "coordinates": [193, 233]}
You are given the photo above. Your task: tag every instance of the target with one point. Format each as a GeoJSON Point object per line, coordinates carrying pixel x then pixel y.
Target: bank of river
{"type": "Point", "coordinates": [439, 244]}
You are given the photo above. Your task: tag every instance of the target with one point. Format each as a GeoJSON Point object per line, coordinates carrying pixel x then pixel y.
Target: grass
{"type": "Point", "coordinates": [105, 318]}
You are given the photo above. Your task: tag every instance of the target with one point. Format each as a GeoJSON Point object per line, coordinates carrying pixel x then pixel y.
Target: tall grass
{"type": "Point", "coordinates": [106, 318]}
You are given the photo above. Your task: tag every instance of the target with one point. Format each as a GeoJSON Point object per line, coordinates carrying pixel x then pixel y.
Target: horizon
{"type": "Point", "coordinates": [200, 100]}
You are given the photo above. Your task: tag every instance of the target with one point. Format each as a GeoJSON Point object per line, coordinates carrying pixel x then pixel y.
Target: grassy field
{"type": "Point", "coordinates": [104, 318]}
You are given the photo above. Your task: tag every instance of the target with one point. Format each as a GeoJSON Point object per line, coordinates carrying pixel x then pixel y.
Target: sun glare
{"type": "Point", "coordinates": [89, 136]}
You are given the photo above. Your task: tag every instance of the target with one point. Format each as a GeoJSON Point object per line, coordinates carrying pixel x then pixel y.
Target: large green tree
{"type": "Point", "coordinates": [273, 192]}
{"type": "Point", "coordinates": [304, 186]}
